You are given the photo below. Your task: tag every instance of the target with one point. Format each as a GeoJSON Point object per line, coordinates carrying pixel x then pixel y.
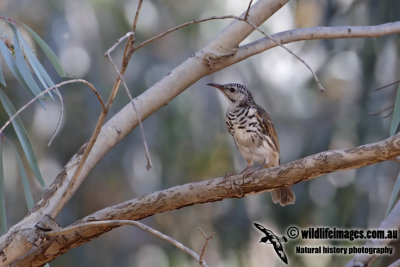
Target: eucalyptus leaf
{"type": "Point", "coordinates": [12, 65]}
{"type": "Point", "coordinates": [23, 66]}
{"type": "Point", "coordinates": [25, 182]}
{"type": "Point", "coordinates": [394, 124]}
{"type": "Point", "coordinates": [22, 137]}
{"type": "Point", "coordinates": [36, 66]}
{"type": "Point", "coordinates": [395, 194]}
{"type": "Point", "coordinates": [2, 81]}
{"type": "Point", "coordinates": [3, 214]}
{"type": "Point", "coordinates": [47, 50]}
{"type": "Point", "coordinates": [33, 62]}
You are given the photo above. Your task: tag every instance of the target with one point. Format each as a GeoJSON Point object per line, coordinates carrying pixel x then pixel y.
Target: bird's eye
{"type": "Point", "coordinates": [232, 89]}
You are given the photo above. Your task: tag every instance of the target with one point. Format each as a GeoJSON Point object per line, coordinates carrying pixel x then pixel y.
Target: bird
{"type": "Point", "coordinates": [253, 133]}
{"type": "Point", "coordinates": [274, 240]}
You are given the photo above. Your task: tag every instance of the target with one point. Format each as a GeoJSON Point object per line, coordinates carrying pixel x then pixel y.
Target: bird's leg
{"type": "Point", "coordinates": [248, 170]}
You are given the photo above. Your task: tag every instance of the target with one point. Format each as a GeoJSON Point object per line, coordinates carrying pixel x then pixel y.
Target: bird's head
{"type": "Point", "coordinates": [235, 93]}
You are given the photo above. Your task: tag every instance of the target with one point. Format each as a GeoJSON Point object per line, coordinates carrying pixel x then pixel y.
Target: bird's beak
{"type": "Point", "coordinates": [219, 86]}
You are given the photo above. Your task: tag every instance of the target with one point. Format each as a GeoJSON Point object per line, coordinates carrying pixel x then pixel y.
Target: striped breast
{"type": "Point", "coordinates": [249, 135]}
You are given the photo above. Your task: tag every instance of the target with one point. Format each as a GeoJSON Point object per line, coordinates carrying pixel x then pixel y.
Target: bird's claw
{"type": "Point", "coordinates": [229, 174]}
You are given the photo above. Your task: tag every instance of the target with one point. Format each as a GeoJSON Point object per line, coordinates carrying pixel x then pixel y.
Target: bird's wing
{"type": "Point", "coordinates": [279, 250]}
{"type": "Point", "coordinates": [274, 241]}
{"type": "Point", "coordinates": [268, 233]}
{"type": "Point", "coordinates": [282, 255]}
{"type": "Point", "coordinates": [262, 228]}
{"type": "Point", "coordinates": [266, 123]}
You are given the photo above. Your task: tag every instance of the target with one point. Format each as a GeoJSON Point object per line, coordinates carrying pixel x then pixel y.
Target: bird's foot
{"type": "Point", "coordinates": [247, 171]}
{"type": "Point", "coordinates": [229, 174]}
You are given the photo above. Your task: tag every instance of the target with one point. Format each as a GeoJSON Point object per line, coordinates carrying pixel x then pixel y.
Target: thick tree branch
{"type": "Point", "coordinates": [205, 62]}
{"type": "Point", "coordinates": [314, 33]}
{"type": "Point", "coordinates": [122, 123]}
{"type": "Point", "coordinates": [221, 52]}
{"type": "Point", "coordinates": [215, 189]}
{"type": "Point", "coordinates": [157, 96]}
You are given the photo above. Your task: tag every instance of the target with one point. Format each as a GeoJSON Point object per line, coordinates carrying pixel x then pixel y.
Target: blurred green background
{"type": "Point", "coordinates": [188, 140]}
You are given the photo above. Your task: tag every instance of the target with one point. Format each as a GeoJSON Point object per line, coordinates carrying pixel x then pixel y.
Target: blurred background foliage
{"type": "Point", "coordinates": [187, 138]}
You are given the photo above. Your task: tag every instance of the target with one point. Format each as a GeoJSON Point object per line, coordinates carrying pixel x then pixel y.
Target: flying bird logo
{"type": "Point", "coordinates": [271, 238]}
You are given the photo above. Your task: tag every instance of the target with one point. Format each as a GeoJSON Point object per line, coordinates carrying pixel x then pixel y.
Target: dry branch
{"type": "Point", "coordinates": [27, 243]}
{"type": "Point", "coordinates": [215, 189]}
{"type": "Point", "coordinates": [120, 77]}
{"type": "Point", "coordinates": [207, 61]}
{"type": "Point", "coordinates": [314, 33]}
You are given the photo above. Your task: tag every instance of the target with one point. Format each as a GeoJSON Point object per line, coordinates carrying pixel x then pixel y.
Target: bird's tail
{"type": "Point", "coordinates": [284, 196]}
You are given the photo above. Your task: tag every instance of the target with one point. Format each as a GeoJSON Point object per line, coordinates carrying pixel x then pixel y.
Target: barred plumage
{"type": "Point", "coordinates": [254, 134]}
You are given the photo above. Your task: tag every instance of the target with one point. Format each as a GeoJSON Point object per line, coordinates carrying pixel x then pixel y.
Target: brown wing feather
{"type": "Point", "coordinates": [266, 124]}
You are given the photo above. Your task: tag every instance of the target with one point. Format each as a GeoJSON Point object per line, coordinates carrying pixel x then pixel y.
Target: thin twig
{"type": "Point", "coordinates": [380, 111]}
{"type": "Point", "coordinates": [130, 48]}
{"type": "Point", "coordinates": [60, 118]}
{"type": "Point", "coordinates": [385, 86]}
{"type": "Point", "coordinates": [68, 192]}
{"type": "Point", "coordinates": [74, 229]}
{"type": "Point", "coordinates": [321, 88]}
{"type": "Point", "coordinates": [248, 9]}
{"type": "Point", "coordinates": [148, 158]}
{"type": "Point", "coordinates": [49, 89]}
{"type": "Point", "coordinates": [207, 239]}
{"type": "Point", "coordinates": [100, 121]}
{"type": "Point", "coordinates": [180, 26]}
{"type": "Point", "coordinates": [127, 54]}
{"type": "Point", "coordinates": [388, 115]}
{"type": "Point", "coordinates": [118, 42]}
{"type": "Point", "coordinates": [248, 21]}
{"type": "Point", "coordinates": [135, 21]}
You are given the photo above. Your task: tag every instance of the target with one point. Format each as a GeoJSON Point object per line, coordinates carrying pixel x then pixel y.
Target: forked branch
{"type": "Point", "coordinates": [211, 190]}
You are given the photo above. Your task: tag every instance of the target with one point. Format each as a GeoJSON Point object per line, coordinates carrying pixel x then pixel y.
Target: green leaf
{"type": "Point", "coordinates": [25, 182]}
{"type": "Point", "coordinates": [3, 214]}
{"type": "Point", "coordinates": [2, 81]}
{"type": "Point", "coordinates": [395, 194]}
{"type": "Point", "coordinates": [22, 137]}
{"type": "Point", "coordinates": [47, 50]}
{"type": "Point", "coordinates": [396, 114]}
{"type": "Point", "coordinates": [37, 67]}
{"type": "Point", "coordinates": [32, 60]}
{"type": "Point", "coordinates": [11, 62]}
{"type": "Point", "coordinates": [22, 65]}
{"type": "Point", "coordinates": [12, 65]}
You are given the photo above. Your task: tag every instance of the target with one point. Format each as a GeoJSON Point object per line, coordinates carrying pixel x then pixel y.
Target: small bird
{"type": "Point", "coordinates": [274, 240]}
{"type": "Point", "coordinates": [253, 133]}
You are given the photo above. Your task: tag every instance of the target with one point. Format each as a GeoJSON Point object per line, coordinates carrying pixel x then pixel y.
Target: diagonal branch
{"type": "Point", "coordinates": [151, 100]}
{"type": "Point", "coordinates": [215, 189]}
{"type": "Point", "coordinates": [120, 76]}
{"type": "Point", "coordinates": [221, 52]}
{"type": "Point", "coordinates": [197, 67]}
